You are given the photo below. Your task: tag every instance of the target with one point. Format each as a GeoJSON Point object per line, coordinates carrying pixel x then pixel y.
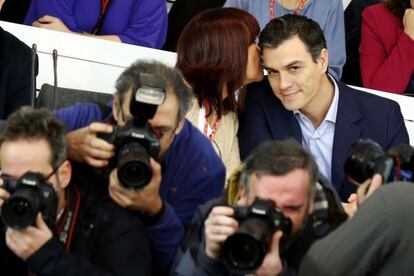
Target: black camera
{"type": "Point", "coordinates": [244, 251]}
{"type": "Point", "coordinates": [30, 195]}
{"type": "Point", "coordinates": [135, 143]}
{"type": "Point", "coordinates": [367, 158]}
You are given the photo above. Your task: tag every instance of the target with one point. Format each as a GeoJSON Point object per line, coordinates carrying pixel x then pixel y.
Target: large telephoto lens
{"type": "Point", "coordinates": [245, 250]}
{"type": "Point", "coordinates": [134, 168]}
{"type": "Point", "coordinates": [21, 208]}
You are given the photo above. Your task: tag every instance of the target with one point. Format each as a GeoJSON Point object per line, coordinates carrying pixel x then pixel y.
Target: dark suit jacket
{"type": "Point", "coordinates": [15, 72]}
{"type": "Point", "coordinates": [359, 115]}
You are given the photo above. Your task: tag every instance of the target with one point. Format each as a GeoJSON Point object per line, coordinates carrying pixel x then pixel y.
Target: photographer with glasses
{"type": "Point", "coordinates": [184, 171]}
{"type": "Point", "coordinates": [52, 224]}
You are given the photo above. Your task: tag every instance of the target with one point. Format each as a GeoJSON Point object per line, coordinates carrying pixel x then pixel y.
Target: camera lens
{"type": "Point", "coordinates": [134, 169]}
{"type": "Point", "coordinates": [245, 250]}
{"type": "Point", "coordinates": [20, 209]}
{"type": "Point", "coordinates": [360, 163]}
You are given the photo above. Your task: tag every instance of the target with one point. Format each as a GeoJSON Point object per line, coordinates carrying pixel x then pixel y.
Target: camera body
{"type": "Point", "coordinates": [134, 146]}
{"type": "Point", "coordinates": [135, 143]}
{"type": "Point", "coordinates": [30, 194]}
{"type": "Point", "coordinates": [244, 251]}
{"type": "Point", "coordinates": [367, 158]}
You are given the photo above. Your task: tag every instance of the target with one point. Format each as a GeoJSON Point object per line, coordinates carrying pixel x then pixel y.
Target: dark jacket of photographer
{"type": "Point", "coordinates": [107, 240]}
{"type": "Point", "coordinates": [192, 260]}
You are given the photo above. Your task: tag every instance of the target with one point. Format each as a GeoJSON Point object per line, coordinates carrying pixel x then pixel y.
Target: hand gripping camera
{"type": "Point", "coordinates": [245, 250]}
{"type": "Point", "coordinates": [30, 194]}
{"type": "Point", "coordinates": [367, 158]}
{"type": "Point", "coordinates": [135, 143]}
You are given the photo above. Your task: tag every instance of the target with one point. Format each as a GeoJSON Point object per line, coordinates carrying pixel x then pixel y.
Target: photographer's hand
{"type": "Point", "coordinates": [272, 264]}
{"type": "Point", "coordinates": [368, 187]}
{"type": "Point", "coordinates": [85, 146]}
{"type": "Point", "coordinates": [25, 242]}
{"type": "Point", "coordinates": [4, 194]}
{"type": "Point", "coordinates": [350, 207]}
{"type": "Point", "coordinates": [146, 200]}
{"type": "Point", "coordinates": [218, 226]}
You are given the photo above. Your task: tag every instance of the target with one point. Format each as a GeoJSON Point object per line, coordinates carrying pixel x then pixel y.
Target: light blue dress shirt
{"type": "Point", "coordinates": [319, 141]}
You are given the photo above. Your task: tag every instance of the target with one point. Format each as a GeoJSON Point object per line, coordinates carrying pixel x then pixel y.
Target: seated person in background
{"type": "Point", "coordinates": [217, 55]}
{"type": "Point", "coordinates": [73, 232]}
{"type": "Point", "coordinates": [181, 12]}
{"type": "Point", "coordinates": [191, 174]}
{"type": "Point", "coordinates": [300, 100]}
{"type": "Point", "coordinates": [376, 241]}
{"type": "Point", "coordinates": [328, 13]}
{"type": "Point", "coordinates": [15, 74]}
{"type": "Point", "coordinates": [138, 22]}
{"type": "Point", "coordinates": [387, 46]}
{"type": "Point", "coordinates": [353, 19]}
{"type": "Point", "coordinates": [14, 10]}
{"type": "Point", "coordinates": [282, 172]}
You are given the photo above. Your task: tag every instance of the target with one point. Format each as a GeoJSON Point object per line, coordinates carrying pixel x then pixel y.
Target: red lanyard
{"type": "Point", "coordinates": [101, 18]}
{"type": "Point", "coordinates": [214, 128]}
{"type": "Point", "coordinates": [272, 8]}
{"type": "Point", "coordinates": [104, 6]}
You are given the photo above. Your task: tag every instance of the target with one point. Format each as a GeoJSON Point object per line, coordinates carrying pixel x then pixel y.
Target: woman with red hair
{"type": "Point", "coordinates": [217, 56]}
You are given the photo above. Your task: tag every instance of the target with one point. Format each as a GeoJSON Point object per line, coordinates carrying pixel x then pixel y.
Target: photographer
{"type": "Point", "coordinates": [376, 241]}
{"type": "Point", "coordinates": [191, 173]}
{"type": "Point", "coordinates": [53, 226]}
{"type": "Point", "coordinates": [284, 173]}
{"type": "Point", "coordinates": [378, 238]}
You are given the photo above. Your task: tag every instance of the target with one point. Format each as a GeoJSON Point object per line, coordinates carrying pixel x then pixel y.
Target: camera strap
{"type": "Point", "coordinates": [65, 227]}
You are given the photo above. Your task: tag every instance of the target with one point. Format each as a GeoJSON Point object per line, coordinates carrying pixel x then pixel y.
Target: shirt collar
{"type": "Point", "coordinates": [333, 108]}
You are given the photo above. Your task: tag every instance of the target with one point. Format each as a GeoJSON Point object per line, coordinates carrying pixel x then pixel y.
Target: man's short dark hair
{"type": "Point", "coordinates": [127, 80]}
{"type": "Point", "coordinates": [35, 124]}
{"type": "Point", "coordinates": [288, 26]}
{"type": "Point", "coordinates": [281, 158]}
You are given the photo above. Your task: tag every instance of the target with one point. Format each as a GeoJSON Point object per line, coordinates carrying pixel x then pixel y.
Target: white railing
{"type": "Point", "coordinates": [88, 63]}
{"type": "Point", "coordinates": [84, 62]}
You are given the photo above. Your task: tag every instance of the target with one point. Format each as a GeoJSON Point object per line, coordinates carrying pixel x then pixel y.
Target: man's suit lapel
{"type": "Point", "coordinates": [347, 131]}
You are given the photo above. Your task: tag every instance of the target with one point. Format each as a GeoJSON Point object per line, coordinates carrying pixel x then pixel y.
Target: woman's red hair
{"type": "Point", "coordinates": [212, 52]}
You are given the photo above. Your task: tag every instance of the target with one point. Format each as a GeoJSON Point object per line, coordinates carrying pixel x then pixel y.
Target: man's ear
{"type": "Point", "coordinates": [311, 199]}
{"type": "Point", "coordinates": [243, 193]}
{"type": "Point", "coordinates": [116, 109]}
{"type": "Point", "coordinates": [179, 127]}
{"type": "Point", "coordinates": [324, 60]}
{"type": "Point", "coordinates": [65, 174]}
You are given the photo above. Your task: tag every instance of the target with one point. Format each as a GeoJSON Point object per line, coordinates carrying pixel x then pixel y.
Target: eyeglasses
{"type": "Point", "coordinates": [4, 175]}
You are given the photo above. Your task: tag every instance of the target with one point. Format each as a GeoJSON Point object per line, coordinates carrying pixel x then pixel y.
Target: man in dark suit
{"type": "Point", "coordinates": [15, 72]}
{"type": "Point", "coordinates": [299, 99]}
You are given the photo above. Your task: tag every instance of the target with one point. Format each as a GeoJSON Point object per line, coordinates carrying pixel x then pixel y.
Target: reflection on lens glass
{"type": "Point", "coordinates": [20, 207]}
{"type": "Point", "coordinates": [244, 254]}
